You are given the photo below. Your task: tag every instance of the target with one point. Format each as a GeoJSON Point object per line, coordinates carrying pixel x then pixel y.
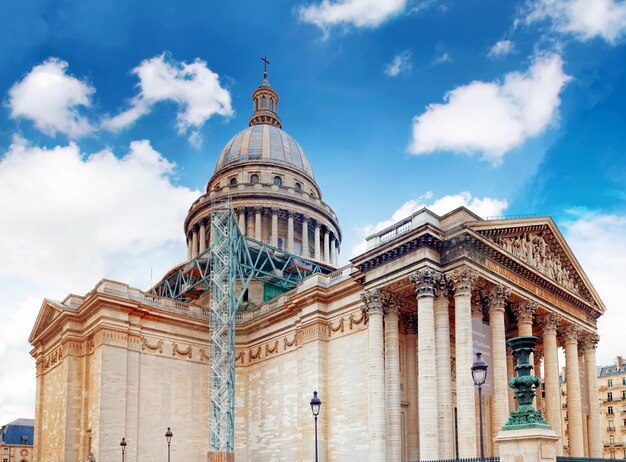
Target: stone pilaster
{"type": "Point", "coordinates": [463, 279]}
{"type": "Point", "coordinates": [392, 380]}
{"type": "Point", "coordinates": [373, 301]}
{"type": "Point", "coordinates": [305, 237]}
{"type": "Point", "coordinates": [574, 403]}
{"type": "Point", "coordinates": [316, 236]}
{"type": "Point", "coordinates": [327, 246]}
{"type": "Point", "coordinates": [445, 412]}
{"type": "Point", "coordinates": [274, 238]}
{"type": "Point", "coordinates": [549, 325]}
{"type": "Point", "coordinates": [202, 238]}
{"type": "Point", "coordinates": [589, 344]}
{"type": "Point", "coordinates": [290, 246]}
{"type": "Point", "coordinates": [423, 280]}
{"type": "Point", "coordinates": [412, 413]}
{"type": "Point", "coordinates": [497, 298]}
{"type": "Point", "coordinates": [257, 223]}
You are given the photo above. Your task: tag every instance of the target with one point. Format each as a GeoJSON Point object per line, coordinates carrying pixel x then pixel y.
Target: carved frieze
{"type": "Point", "coordinates": [533, 250]}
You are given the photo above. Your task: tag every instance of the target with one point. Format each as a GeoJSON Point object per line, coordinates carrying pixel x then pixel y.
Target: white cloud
{"type": "Point", "coordinates": [501, 48]}
{"type": "Point", "coordinates": [359, 13]}
{"type": "Point", "coordinates": [485, 207]}
{"type": "Point", "coordinates": [492, 118]}
{"type": "Point", "coordinates": [70, 219]}
{"type": "Point", "coordinates": [443, 58]}
{"type": "Point", "coordinates": [52, 99]}
{"type": "Point", "coordinates": [194, 87]}
{"type": "Point", "coordinates": [598, 242]}
{"type": "Point", "coordinates": [585, 19]}
{"type": "Point", "coordinates": [401, 64]}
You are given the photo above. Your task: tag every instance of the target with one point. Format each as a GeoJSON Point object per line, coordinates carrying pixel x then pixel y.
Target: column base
{"type": "Point", "coordinates": [221, 457]}
{"type": "Point", "coordinates": [527, 445]}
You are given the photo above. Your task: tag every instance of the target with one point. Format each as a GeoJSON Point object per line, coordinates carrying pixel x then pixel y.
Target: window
{"type": "Point", "coordinates": [609, 396]}
{"type": "Point", "coordinates": [624, 381]}
{"type": "Point", "coordinates": [609, 410]}
{"type": "Point", "coordinates": [611, 426]}
{"type": "Point", "coordinates": [254, 179]}
{"type": "Point", "coordinates": [233, 181]}
{"type": "Point", "coordinates": [271, 104]}
{"type": "Point", "coordinates": [281, 243]}
{"type": "Point", "coordinates": [609, 383]}
{"type": "Point", "coordinates": [297, 187]}
{"type": "Point", "coordinates": [623, 394]}
{"type": "Point", "coordinates": [278, 181]}
{"type": "Point", "coordinates": [612, 441]}
{"type": "Point", "coordinates": [624, 422]}
{"type": "Point", "coordinates": [263, 102]}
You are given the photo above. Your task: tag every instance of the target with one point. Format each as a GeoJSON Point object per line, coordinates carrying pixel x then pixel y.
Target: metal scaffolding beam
{"type": "Point", "coordinates": [225, 270]}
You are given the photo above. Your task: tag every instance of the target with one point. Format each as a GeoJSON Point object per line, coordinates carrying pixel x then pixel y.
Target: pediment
{"type": "Point", "coordinates": [48, 313]}
{"type": "Point", "coordinates": [538, 244]}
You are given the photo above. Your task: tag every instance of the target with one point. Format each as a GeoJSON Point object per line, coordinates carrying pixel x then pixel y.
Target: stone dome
{"type": "Point", "coordinates": [264, 143]}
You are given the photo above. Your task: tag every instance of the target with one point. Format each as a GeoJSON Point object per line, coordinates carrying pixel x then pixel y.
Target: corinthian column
{"type": "Point", "coordinates": [392, 380]}
{"type": "Point", "coordinates": [316, 237]}
{"type": "Point", "coordinates": [589, 344]}
{"type": "Point", "coordinates": [290, 246]}
{"type": "Point", "coordinates": [194, 243]}
{"type": "Point", "coordinates": [524, 313]}
{"type": "Point", "coordinates": [497, 298]}
{"type": "Point", "coordinates": [463, 279]}
{"type": "Point", "coordinates": [549, 325]}
{"type": "Point", "coordinates": [424, 280]}
{"type": "Point", "coordinates": [373, 300]}
{"type": "Point", "coordinates": [274, 238]}
{"type": "Point", "coordinates": [257, 223]}
{"type": "Point", "coordinates": [412, 415]}
{"type": "Point", "coordinates": [574, 403]}
{"type": "Point", "coordinates": [202, 238]}
{"type": "Point", "coordinates": [305, 237]}
{"type": "Point", "coordinates": [445, 422]}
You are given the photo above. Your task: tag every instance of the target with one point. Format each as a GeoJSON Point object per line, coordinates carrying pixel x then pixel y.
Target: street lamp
{"type": "Point", "coordinates": [123, 446]}
{"type": "Point", "coordinates": [479, 375]}
{"type": "Point", "coordinates": [168, 436]}
{"type": "Point", "coordinates": [316, 403]}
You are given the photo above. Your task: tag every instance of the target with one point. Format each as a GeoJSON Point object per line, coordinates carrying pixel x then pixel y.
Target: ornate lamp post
{"type": "Point", "coordinates": [479, 375]}
{"type": "Point", "coordinates": [526, 416]}
{"type": "Point", "coordinates": [123, 446]}
{"type": "Point", "coordinates": [316, 403]}
{"type": "Point", "coordinates": [168, 436]}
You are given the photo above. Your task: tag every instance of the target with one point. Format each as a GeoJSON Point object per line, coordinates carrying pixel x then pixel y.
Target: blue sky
{"type": "Point", "coordinates": [113, 115]}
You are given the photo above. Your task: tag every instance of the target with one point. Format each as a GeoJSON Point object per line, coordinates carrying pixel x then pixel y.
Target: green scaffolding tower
{"type": "Point", "coordinates": [225, 271]}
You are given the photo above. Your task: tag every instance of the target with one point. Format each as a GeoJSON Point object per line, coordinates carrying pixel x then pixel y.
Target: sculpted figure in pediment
{"type": "Point", "coordinates": [533, 250]}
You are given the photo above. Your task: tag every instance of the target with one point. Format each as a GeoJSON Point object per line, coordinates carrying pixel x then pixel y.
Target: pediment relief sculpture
{"type": "Point", "coordinates": [533, 250]}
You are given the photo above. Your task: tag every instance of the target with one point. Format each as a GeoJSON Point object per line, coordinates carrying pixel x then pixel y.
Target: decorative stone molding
{"type": "Point", "coordinates": [525, 311]}
{"type": "Point", "coordinates": [157, 346]}
{"type": "Point", "coordinates": [53, 358]}
{"type": "Point", "coordinates": [240, 356]}
{"type": "Point", "coordinates": [549, 323]}
{"type": "Point", "coordinates": [361, 320]}
{"type": "Point", "coordinates": [176, 350]}
{"type": "Point", "coordinates": [424, 281]}
{"type": "Point", "coordinates": [498, 295]}
{"type": "Point", "coordinates": [255, 355]}
{"type": "Point", "coordinates": [204, 354]}
{"type": "Point", "coordinates": [271, 349]}
{"type": "Point", "coordinates": [287, 343]}
{"type": "Point", "coordinates": [589, 342]}
{"type": "Point", "coordinates": [338, 327]}
{"type": "Point", "coordinates": [462, 280]}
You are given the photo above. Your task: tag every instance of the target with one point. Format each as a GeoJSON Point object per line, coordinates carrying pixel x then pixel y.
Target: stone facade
{"type": "Point", "coordinates": [387, 341]}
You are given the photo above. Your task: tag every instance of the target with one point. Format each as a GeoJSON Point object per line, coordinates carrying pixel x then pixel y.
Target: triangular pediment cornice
{"type": "Point", "coordinates": [48, 313]}
{"type": "Point", "coordinates": [536, 245]}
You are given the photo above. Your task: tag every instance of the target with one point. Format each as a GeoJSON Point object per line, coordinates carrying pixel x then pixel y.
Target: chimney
{"type": "Point", "coordinates": [619, 361]}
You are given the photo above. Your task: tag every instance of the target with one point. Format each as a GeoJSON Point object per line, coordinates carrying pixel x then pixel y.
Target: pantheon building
{"type": "Point", "coordinates": [387, 341]}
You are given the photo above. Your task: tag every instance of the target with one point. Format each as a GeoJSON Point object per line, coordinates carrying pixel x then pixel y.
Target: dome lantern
{"type": "Point", "coordinates": [265, 101]}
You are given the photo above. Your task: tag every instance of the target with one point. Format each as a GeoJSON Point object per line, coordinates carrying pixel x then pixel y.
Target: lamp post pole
{"type": "Point", "coordinates": [479, 375]}
{"type": "Point", "coordinates": [168, 436]}
{"type": "Point", "coordinates": [123, 446]}
{"type": "Point", "coordinates": [316, 403]}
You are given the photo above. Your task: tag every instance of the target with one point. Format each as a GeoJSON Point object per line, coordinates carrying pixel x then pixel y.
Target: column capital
{"type": "Point", "coordinates": [589, 342]}
{"type": "Point", "coordinates": [373, 301]}
{"type": "Point", "coordinates": [441, 287]}
{"type": "Point", "coordinates": [497, 297]}
{"type": "Point", "coordinates": [524, 311]}
{"type": "Point", "coordinates": [391, 303]}
{"type": "Point", "coordinates": [274, 210]}
{"type": "Point", "coordinates": [571, 334]}
{"type": "Point", "coordinates": [424, 281]}
{"type": "Point", "coordinates": [549, 323]}
{"type": "Point", "coordinates": [462, 280]}
{"type": "Point", "coordinates": [409, 320]}
{"type": "Point", "coordinates": [289, 214]}
{"type": "Point", "coordinates": [306, 219]}
{"type": "Point", "coordinates": [258, 209]}
{"type": "Point", "coordinates": [538, 354]}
